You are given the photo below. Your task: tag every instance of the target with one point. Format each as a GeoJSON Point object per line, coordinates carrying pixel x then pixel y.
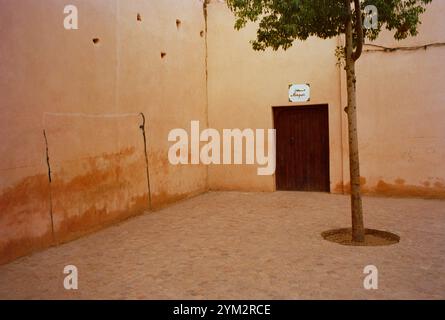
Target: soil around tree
{"type": "Point", "coordinates": [373, 238]}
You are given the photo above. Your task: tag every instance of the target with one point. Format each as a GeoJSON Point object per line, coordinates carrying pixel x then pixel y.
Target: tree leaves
{"type": "Point", "coordinates": [281, 22]}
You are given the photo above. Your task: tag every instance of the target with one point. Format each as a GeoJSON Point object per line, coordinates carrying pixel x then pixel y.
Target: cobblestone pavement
{"type": "Point", "coordinates": [230, 245]}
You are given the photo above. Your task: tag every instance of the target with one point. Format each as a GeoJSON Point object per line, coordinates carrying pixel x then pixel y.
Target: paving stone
{"type": "Point", "coordinates": [231, 245]}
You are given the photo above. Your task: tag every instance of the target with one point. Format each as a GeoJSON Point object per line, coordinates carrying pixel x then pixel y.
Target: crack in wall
{"type": "Point", "coordinates": [144, 135]}
{"type": "Point", "coordinates": [205, 10]}
{"type": "Point", "coordinates": [48, 163]}
{"type": "Point", "coordinates": [206, 27]}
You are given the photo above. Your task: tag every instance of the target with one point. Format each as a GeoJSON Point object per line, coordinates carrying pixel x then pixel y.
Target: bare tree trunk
{"type": "Point", "coordinates": [358, 230]}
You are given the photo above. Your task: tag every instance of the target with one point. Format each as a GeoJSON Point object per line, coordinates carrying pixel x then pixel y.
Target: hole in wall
{"type": "Point", "coordinates": [163, 54]}
{"type": "Point", "coordinates": [202, 33]}
{"type": "Point", "coordinates": [96, 40]}
{"type": "Point", "coordinates": [178, 23]}
{"type": "Point", "coordinates": [139, 17]}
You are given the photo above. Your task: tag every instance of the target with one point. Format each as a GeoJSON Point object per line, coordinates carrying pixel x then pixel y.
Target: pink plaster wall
{"type": "Point", "coordinates": [88, 98]}
{"type": "Point", "coordinates": [402, 113]}
{"type": "Point", "coordinates": [244, 85]}
{"type": "Point", "coordinates": [400, 101]}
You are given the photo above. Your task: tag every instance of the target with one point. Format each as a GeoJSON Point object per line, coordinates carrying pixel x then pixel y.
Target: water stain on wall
{"type": "Point", "coordinates": [346, 188]}
{"type": "Point", "coordinates": [163, 198]}
{"type": "Point", "coordinates": [399, 188]}
{"type": "Point", "coordinates": [96, 218]}
{"type": "Point", "coordinates": [16, 248]}
{"type": "Point", "coordinates": [84, 196]}
{"type": "Point", "coordinates": [25, 222]}
{"type": "Point", "coordinates": [110, 188]}
{"type": "Point", "coordinates": [103, 190]}
{"type": "Point", "coordinates": [162, 195]}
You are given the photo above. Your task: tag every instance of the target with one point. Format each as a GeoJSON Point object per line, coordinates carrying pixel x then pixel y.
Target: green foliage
{"type": "Point", "coordinates": [281, 22]}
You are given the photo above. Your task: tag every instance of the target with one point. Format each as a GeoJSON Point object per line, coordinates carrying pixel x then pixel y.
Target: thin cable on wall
{"type": "Point", "coordinates": [378, 48]}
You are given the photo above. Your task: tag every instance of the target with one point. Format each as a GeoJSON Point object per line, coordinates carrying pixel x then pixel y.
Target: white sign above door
{"type": "Point", "coordinates": [299, 93]}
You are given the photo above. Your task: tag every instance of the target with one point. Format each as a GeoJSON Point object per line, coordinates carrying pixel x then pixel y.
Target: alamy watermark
{"type": "Point", "coordinates": [71, 281]}
{"type": "Point", "coordinates": [371, 281]}
{"type": "Point", "coordinates": [371, 20]}
{"type": "Point", "coordinates": [71, 21]}
{"type": "Point", "coordinates": [237, 147]}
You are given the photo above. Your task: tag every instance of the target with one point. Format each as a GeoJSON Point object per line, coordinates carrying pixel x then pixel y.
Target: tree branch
{"type": "Point", "coordinates": [359, 30]}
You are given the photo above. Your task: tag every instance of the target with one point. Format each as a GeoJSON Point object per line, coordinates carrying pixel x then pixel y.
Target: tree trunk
{"type": "Point", "coordinates": [358, 230]}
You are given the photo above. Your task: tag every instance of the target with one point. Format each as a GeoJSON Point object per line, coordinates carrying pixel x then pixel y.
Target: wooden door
{"type": "Point", "coordinates": [302, 148]}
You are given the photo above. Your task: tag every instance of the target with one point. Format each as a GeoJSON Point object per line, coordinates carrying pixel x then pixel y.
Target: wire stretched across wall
{"type": "Point", "coordinates": [379, 48]}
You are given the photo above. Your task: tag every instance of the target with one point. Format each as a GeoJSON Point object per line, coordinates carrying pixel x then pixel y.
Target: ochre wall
{"type": "Point", "coordinates": [88, 99]}
{"type": "Point", "coordinates": [244, 85]}
{"type": "Point", "coordinates": [400, 104]}
{"type": "Point", "coordinates": [73, 111]}
{"type": "Point", "coordinates": [402, 113]}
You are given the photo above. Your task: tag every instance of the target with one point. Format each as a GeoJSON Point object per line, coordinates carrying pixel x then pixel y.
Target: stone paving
{"type": "Point", "coordinates": [230, 245]}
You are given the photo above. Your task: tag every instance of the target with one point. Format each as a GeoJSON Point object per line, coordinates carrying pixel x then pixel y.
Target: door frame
{"type": "Point", "coordinates": [325, 106]}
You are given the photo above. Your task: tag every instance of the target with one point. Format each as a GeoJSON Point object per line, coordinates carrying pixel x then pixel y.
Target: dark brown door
{"type": "Point", "coordinates": [302, 148]}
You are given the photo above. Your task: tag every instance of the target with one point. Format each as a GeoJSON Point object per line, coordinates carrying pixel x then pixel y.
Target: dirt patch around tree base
{"type": "Point", "coordinates": [373, 238]}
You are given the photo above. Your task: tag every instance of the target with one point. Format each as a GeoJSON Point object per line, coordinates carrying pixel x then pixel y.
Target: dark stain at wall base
{"type": "Point", "coordinates": [346, 188]}
{"type": "Point", "coordinates": [164, 199]}
{"type": "Point", "coordinates": [25, 221]}
{"type": "Point", "coordinates": [108, 188]}
{"type": "Point", "coordinates": [398, 189]}
{"type": "Point", "coordinates": [435, 191]}
{"type": "Point", "coordinates": [13, 249]}
{"type": "Point", "coordinates": [34, 188]}
{"type": "Point", "coordinates": [95, 219]}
